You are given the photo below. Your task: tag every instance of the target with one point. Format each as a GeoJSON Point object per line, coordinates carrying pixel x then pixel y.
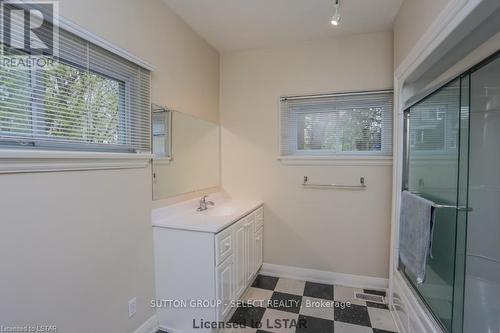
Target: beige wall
{"type": "Point", "coordinates": [76, 246]}
{"type": "Point", "coordinates": [186, 76]}
{"type": "Point", "coordinates": [341, 231]}
{"type": "Point", "coordinates": [413, 19]}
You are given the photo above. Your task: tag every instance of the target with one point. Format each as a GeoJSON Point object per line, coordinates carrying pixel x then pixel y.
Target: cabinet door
{"type": "Point", "coordinates": [225, 281]}
{"type": "Point", "coordinates": [223, 245]}
{"type": "Point", "coordinates": [239, 258]}
{"type": "Point", "coordinates": [258, 249]}
{"type": "Point", "coordinates": [249, 247]}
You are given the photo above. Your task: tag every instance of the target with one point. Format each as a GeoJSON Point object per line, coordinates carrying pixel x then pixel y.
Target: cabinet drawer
{"type": "Point", "coordinates": [223, 245]}
{"type": "Point", "coordinates": [259, 218]}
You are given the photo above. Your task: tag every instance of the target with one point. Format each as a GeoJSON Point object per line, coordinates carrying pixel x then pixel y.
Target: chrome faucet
{"type": "Point", "coordinates": [204, 203]}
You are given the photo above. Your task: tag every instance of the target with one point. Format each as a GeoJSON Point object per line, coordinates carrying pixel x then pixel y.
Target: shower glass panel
{"type": "Point", "coordinates": [433, 147]}
{"type": "Point", "coordinates": [482, 275]}
{"type": "Point", "coordinates": [453, 158]}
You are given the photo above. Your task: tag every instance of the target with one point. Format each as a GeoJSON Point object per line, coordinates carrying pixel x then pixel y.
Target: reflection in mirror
{"type": "Point", "coordinates": [161, 120]}
{"type": "Point", "coordinates": [186, 152]}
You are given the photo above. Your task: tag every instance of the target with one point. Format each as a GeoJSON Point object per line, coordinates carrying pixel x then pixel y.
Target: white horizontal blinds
{"type": "Point", "coordinates": [87, 99]}
{"type": "Point", "coordinates": [337, 124]}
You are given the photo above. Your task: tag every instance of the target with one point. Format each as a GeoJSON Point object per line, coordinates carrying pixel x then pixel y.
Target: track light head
{"type": "Point", "coordinates": [336, 14]}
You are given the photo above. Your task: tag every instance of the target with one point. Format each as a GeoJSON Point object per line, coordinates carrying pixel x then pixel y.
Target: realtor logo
{"type": "Point", "coordinates": [30, 26]}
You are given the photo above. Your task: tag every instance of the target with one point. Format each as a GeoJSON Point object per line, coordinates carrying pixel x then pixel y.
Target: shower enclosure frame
{"type": "Point", "coordinates": [450, 28]}
{"type": "Point", "coordinates": [465, 75]}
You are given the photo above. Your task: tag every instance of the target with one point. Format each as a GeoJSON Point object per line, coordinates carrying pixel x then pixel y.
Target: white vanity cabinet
{"type": "Point", "coordinates": [203, 266]}
{"type": "Point", "coordinates": [241, 243]}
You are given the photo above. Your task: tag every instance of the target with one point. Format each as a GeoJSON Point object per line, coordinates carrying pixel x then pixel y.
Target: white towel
{"type": "Point", "coordinates": [415, 231]}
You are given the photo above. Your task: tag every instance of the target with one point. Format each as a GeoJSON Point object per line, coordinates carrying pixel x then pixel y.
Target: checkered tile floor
{"type": "Point", "coordinates": [272, 303]}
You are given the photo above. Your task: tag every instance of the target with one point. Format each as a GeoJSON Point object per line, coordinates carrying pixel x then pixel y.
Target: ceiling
{"type": "Point", "coordinates": [230, 25]}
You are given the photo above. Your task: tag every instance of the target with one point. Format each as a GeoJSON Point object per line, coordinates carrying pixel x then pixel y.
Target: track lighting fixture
{"type": "Point", "coordinates": [336, 14]}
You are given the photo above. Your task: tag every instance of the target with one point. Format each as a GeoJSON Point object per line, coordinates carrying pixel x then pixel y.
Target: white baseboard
{"type": "Point", "coordinates": [357, 281]}
{"type": "Point", "coordinates": [149, 326]}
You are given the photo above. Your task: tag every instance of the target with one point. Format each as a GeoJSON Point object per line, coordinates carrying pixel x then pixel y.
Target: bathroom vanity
{"type": "Point", "coordinates": [204, 261]}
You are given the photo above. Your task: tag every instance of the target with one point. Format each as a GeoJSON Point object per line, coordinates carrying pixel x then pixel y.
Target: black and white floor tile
{"type": "Point", "coordinates": [273, 303]}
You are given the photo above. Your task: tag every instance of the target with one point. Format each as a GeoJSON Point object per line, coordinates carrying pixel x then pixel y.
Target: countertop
{"type": "Point", "coordinates": [184, 215]}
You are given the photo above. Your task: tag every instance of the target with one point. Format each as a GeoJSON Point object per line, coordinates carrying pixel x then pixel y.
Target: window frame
{"type": "Point", "coordinates": [329, 156]}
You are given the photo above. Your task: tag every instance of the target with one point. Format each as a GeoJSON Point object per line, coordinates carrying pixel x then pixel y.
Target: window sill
{"type": "Point", "coordinates": [162, 160]}
{"type": "Point", "coordinates": [21, 161]}
{"type": "Point", "coordinates": [336, 160]}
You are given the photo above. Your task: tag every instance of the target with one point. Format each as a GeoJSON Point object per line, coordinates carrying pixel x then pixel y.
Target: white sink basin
{"type": "Point", "coordinates": [184, 216]}
{"type": "Point", "coordinates": [220, 211]}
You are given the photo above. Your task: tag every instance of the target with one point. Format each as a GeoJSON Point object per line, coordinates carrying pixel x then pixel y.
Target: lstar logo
{"type": "Point", "coordinates": [30, 26]}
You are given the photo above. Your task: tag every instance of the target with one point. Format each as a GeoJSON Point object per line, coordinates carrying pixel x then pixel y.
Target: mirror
{"type": "Point", "coordinates": [186, 152]}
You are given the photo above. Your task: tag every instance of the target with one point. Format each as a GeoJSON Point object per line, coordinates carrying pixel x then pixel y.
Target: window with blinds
{"type": "Point", "coordinates": [337, 124]}
{"type": "Point", "coordinates": [86, 99]}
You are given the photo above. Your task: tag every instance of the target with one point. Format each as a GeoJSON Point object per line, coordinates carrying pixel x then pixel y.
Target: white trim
{"type": "Point", "coordinates": [336, 160]}
{"type": "Point", "coordinates": [149, 326]}
{"type": "Point", "coordinates": [162, 160]}
{"type": "Point", "coordinates": [313, 275]}
{"type": "Point", "coordinates": [21, 161]}
{"type": "Point", "coordinates": [81, 32]}
{"type": "Point", "coordinates": [450, 17]}
{"type": "Point", "coordinates": [416, 318]}
{"type": "Point", "coordinates": [337, 94]}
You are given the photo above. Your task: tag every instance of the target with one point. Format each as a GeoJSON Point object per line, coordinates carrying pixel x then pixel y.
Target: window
{"type": "Point", "coordinates": [337, 124]}
{"type": "Point", "coordinates": [84, 99]}
{"type": "Point", "coordinates": [162, 120]}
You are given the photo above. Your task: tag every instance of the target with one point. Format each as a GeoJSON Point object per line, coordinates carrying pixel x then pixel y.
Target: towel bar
{"type": "Point", "coordinates": [459, 208]}
{"type": "Point", "coordinates": [361, 185]}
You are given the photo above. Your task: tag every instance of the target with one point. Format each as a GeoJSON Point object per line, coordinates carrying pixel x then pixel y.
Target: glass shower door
{"type": "Point", "coordinates": [453, 159]}
{"type": "Point", "coordinates": [434, 153]}
{"type": "Point", "coordinates": [482, 279]}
